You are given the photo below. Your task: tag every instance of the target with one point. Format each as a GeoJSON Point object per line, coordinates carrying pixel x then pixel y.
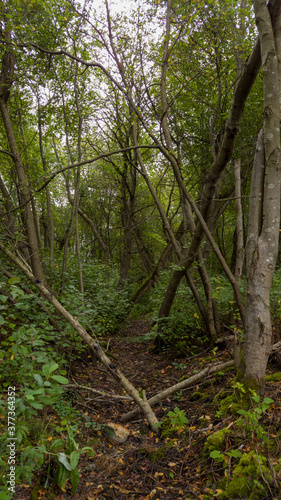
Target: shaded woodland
{"type": "Point", "coordinates": [139, 249]}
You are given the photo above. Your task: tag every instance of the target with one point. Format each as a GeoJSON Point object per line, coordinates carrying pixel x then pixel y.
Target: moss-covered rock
{"type": "Point", "coordinates": [249, 479]}
{"type": "Point", "coordinates": [215, 441]}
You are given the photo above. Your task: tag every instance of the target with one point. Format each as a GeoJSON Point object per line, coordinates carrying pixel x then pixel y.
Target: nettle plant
{"type": "Point", "coordinates": [175, 422]}
{"type": "Point", "coordinates": [63, 456]}
{"type": "Point", "coordinates": [250, 418]}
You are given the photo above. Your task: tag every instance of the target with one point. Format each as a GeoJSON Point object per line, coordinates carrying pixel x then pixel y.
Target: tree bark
{"type": "Point", "coordinates": [8, 63]}
{"type": "Point", "coordinates": [128, 195]}
{"type": "Point", "coordinates": [240, 251]}
{"type": "Point", "coordinates": [264, 213]}
{"type": "Point", "coordinates": [7, 217]}
{"type": "Point", "coordinates": [239, 254]}
{"type": "Point", "coordinates": [51, 229]}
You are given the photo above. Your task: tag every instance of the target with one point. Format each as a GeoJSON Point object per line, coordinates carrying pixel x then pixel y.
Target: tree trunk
{"type": "Point", "coordinates": [128, 190]}
{"type": "Point", "coordinates": [241, 93]}
{"type": "Point", "coordinates": [264, 213]}
{"type": "Point", "coordinates": [77, 178]}
{"type": "Point", "coordinates": [7, 217]}
{"type": "Point", "coordinates": [144, 254]}
{"type": "Point", "coordinates": [96, 234]}
{"type": "Point", "coordinates": [51, 229]}
{"type": "Point", "coordinates": [239, 254]}
{"type": "Point", "coordinates": [150, 280]}
{"type": "Point", "coordinates": [8, 63]}
{"type": "Point", "coordinates": [70, 228]}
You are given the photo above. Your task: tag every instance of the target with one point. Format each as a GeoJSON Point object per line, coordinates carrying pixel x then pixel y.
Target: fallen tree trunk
{"type": "Point", "coordinates": [92, 343]}
{"type": "Point", "coordinates": [209, 370]}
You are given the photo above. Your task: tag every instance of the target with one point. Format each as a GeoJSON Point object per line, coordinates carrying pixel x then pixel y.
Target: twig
{"type": "Point", "coordinates": [99, 393]}
{"type": "Point", "coordinates": [262, 473]}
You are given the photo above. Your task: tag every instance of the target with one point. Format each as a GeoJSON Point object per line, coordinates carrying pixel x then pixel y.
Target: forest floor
{"type": "Point", "coordinates": [171, 466]}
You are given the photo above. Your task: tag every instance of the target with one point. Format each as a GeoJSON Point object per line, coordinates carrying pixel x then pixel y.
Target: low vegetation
{"type": "Point", "coordinates": [62, 433]}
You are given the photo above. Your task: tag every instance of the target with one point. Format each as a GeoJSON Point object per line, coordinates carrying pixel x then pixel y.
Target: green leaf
{"type": "Point", "coordinates": [234, 453]}
{"type": "Point", "coordinates": [74, 480]}
{"type": "Point", "coordinates": [49, 368]}
{"type": "Point", "coordinates": [89, 449]}
{"type": "Point", "coordinates": [38, 379]}
{"type": "Point", "coordinates": [61, 475]}
{"type": "Point", "coordinates": [47, 400]}
{"type": "Point", "coordinates": [2, 321]}
{"type": "Point", "coordinates": [42, 448]}
{"type": "Point", "coordinates": [217, 455]}
{"type": "Point", "coordinates": [57, 444]}
{"type": "Point", "coordinates": [12, 281]}
{"type": "Point", "coordinates": [35, 391]}
{"type": "Point", "coordinates": [74, 459]}
{"type": "Point", "coordinates": [268, 401]}
{"type": "Point", "coordinates": [60, 379]}
{"type": "Point", "coordinates": [183, 419]}
{"type": "Point", "coordinates": [62, 458]}
{"type": "Point", "coordinates": [37, 406]}
{"type": "Point", "coordinates": [256, 398]}
{"type": "Point", "coordinates": [241, 412]}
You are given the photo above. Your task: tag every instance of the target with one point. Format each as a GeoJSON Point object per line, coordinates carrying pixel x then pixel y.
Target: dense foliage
{"type": "Point", "coordinates": [128, 140]}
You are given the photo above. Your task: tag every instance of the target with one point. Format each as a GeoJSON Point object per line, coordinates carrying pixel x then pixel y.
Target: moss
{"type": "Point", "coordinates": [248, 479]}
{"type": "Point", "coordinates": [220, 395]}
{"type": "Point", "coordinates": [198, 395]}
{"type": "Point", "coordinates": [221, 375]}
{"type": "Point", "coordinates": [229, 405]}
{"type": "Point", "coordinates": [155, 456]}
{"type": "Point", "coordinates": [215, 441]}
{"type": "Point", "coordinates": [271, 445]}
{"type": "Point", "coordinates": [274, 377]}
{"type": "Point", "coordinates": [249, 383]}
{"type": "Point", "coordinates": [241, 368]}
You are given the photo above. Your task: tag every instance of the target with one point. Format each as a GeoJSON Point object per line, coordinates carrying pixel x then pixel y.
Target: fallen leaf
{"type": "Point", "coordinates": [157, 474]}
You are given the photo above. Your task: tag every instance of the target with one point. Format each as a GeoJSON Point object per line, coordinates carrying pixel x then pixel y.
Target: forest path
{"type": "Point", "coordinates": [146, 466]}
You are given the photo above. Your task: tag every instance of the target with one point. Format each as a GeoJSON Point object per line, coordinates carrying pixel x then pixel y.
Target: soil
{"type": "Point", "coordinates": [168, 466]}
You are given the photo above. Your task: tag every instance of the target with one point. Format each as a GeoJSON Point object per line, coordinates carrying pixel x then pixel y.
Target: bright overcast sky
{"type": "Point", "coordinates": [114, 5]}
